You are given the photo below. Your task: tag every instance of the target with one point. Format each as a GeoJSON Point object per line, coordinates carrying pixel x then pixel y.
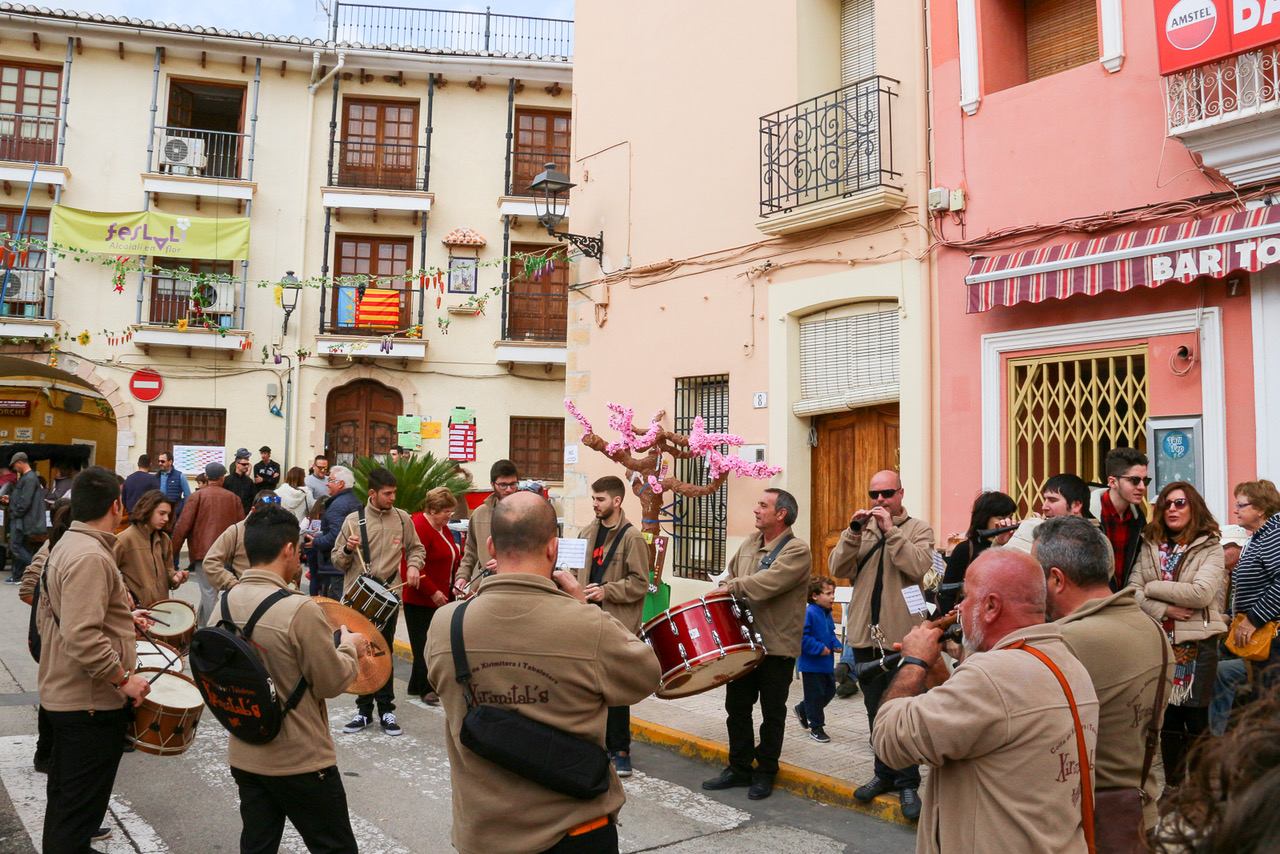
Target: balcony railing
{"type": "Point", "coordinates": [170, 301]}
{"type": "Point", "coordinates": [29, 139]}
{"type": "Point", "coordinates": [535, 315]}
{"type": "Point", "coordinates": [203, 153]}
{"type": "Point", "coordinates": [1233, 88]}
{"type": "Point", "coordinates": [23, 292]}
{"type": "Point", "coordinates": [379, 166]}
{"type": "Point", "coordinates": [444, 29]}
{"type": "Point", "coordinates": [527, 165]}
{"type": "Point", "coordinates": [343, 316]}
{"type": "Point", "coordinates": [828, 147]}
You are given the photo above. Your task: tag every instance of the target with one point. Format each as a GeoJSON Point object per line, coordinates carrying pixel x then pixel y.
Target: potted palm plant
{"type": "Point", "coordinates": [415, 476]}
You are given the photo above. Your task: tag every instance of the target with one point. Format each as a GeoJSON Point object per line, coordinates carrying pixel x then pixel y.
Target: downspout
{"type": "Point", "coordinates": [431, 100]}
{"type": "Point", "coordinates": [342, 60]}
{"type": "Point", "coordinates": [248, 205]}
{"type": "Point", "coordinates": [66, 100]}
{"type": "Point", "coordinates": [931, 291]}
{"type": "Point", "coordinates": [511, 120]}
{"type": "Point", "coordinates": [506, 269]}
{"type": "Point", "coordinates": [426, 184]}
{"type": "Point", "coordinates": [507, 190]}
{"type": "Point", "coordinates": [146, 197]}
{"type": "Point", "coordinates": [50, 260]}
{"type": "Point", "coordinates": [328, 212]}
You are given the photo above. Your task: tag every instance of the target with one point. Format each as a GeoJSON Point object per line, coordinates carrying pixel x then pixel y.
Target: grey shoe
{"type": "Point", "coordinates": [910, 800]}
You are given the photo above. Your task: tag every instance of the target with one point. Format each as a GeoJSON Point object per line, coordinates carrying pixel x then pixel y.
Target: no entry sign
{"type": "Point", "coordinates": [146, 385]}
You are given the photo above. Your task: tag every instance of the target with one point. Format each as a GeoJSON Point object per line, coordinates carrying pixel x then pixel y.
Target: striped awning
{"type": "Point", "coordinates": [1215, 247]}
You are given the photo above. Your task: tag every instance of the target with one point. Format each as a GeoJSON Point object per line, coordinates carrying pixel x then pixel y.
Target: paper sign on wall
{"type": "Point", "coordinates": [193, 458]}
{"type": "Point", "coordinates": [409, 441]}
{"type": "Point", "coordinates": [462, 416]}
{"type": "Point", "coordinates": [462, 442]}
{"type": "Point", "coordinates": [572, 554]}
{"type": "Point", "coordinates": [408, 423]}
{"type": "Point", "coordinates": [430, 430]}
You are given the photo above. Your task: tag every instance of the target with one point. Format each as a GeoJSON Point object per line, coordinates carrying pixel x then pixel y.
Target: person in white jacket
{"type": "Point", "coordinates": [294, 495]}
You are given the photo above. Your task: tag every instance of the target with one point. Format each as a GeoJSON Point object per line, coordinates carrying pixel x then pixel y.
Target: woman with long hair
{"type": "Point", "coordinates": [990, 509]}
{"type": "Point", "coordinates": [434, 583]}
{"type": "Point", "coordinates": [144, 551]}
{"type": "Point", "coordinates": [294, 495]}
{"type": "Point", "coordinates": [1255, 583]}
{"type": "Point", "coordinates": [1180, 578]}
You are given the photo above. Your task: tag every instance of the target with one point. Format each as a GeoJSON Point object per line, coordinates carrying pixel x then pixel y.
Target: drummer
{"type": "Point", "coordinates": [144, 551]}
{"type": "Point", "coordinates": [388, 535]}
{"type": "Point", "coordinates": [86, 663]}
{"type": "Point", "coordinates": [295, 775]}
{"type": "Point", "coordinates": [771, 571]}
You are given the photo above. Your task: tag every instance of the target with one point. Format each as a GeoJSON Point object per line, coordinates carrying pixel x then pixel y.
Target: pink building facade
{"type": "Point", "coordinates": [1109, 275]}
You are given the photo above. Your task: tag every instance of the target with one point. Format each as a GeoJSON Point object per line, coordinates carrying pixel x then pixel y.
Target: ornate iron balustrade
{"type": "Point", "coordinates": [1232, 88]}
{"type": "Point", "coordinates": [445, 29]}
{"type": "Point", "coordinates": [828, 147]}
{"type": "Point", "coordinates": [379, 166]}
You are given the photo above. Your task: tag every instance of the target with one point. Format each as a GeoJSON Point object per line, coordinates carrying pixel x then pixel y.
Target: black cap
{"type": "Point", "coordinates": [264, 450]}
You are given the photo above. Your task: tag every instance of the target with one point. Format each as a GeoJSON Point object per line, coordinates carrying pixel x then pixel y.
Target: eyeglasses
{"type": "Point", "coordinates": [883, 493]}
{"type": "Point", "coordinates": [1178, 502]}
{"type": "Point", "coordinates": [510, 485]}
{"type": "Point", "coordinates": [1135, 480]}
{"type": "Point", "coordinates": [270, 499]}
{"type": "Point", "coordinates": [1242, 504]}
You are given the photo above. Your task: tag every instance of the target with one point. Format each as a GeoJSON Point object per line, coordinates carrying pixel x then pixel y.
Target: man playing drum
{"type": "Point", "coordinates": [371, 542]}
{"type": "Point", "coordinates": [617, 579]}
{"type": "Point", "coordinates": [295, 775]}
{"type": "Point", "coordinates": [86, 663]}
{"type": "Point", "coordinates": [771, 571]}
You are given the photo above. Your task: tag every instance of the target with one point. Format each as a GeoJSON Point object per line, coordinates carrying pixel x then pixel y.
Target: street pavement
{"type": "Point", "coordinates": [398, 788]}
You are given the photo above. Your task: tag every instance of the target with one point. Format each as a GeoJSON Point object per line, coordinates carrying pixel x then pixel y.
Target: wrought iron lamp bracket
{"type": "Point", "coordinates": [591, 247]}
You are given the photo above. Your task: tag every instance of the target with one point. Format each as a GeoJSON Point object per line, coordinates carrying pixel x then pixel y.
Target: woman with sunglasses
{"type": "Point", "coordinates": [1180, 577]}
{"type": "Point", "coordinates": [1256, 580]}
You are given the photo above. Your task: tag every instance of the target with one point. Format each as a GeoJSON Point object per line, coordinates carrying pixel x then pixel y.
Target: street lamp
{"type": "Point", "coordinates": [548, 187]}
{"type": "Point", "coordinates": [289, 290]}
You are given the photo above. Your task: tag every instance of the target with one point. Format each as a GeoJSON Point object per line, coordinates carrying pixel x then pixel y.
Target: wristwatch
{"type": "Point", "coordinates": [911, 659]}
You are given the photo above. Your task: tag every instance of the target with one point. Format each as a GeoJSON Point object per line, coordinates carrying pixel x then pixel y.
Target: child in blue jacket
{"type": "Point", "coordinates": [817, 658]}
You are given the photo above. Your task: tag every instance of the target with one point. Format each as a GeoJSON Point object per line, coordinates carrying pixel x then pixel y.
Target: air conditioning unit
{"type": "Point", "coordinates": [181, 155]}
{"type": "Point", "coordinates": [221, 294]}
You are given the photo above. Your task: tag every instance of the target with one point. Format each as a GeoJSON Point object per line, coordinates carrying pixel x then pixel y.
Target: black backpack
{"type": "Point", "coordinates": [228, 671]}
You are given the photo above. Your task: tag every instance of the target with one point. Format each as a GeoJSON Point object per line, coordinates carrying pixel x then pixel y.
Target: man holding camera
{"type": "Point", "coordinates": [882, 551]}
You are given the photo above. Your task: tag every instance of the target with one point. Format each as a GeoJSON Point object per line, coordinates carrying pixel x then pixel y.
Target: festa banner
{"type": "Point", "coordinates": [154, 233]}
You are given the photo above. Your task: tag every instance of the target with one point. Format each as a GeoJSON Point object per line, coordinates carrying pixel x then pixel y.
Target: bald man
{"type": "Point", "coordinates": [882, 551]}
{"type": "Point", "coordinates": [999, 734]}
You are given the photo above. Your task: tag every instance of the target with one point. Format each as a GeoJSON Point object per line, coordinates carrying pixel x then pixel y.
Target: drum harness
{"type": "Point", "coordinates": [604, 565]}
{"type": "Point", "coordinates": [364, 540]}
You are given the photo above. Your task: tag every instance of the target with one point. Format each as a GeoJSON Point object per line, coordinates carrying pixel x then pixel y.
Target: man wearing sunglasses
{"type": "Point", "coordinates": [882, 551]}
{"type": "Point", "coordinates": [1119, 508]}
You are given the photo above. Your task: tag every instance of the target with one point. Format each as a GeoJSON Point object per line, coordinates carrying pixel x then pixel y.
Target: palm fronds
{"type": "Point", "coordinates": [415, 476]}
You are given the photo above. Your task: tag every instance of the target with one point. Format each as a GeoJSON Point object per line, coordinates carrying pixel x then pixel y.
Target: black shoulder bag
{"type": "Point", "coordinates": [538, 752]}
{"type": "Point", "coordinates": [604, 565]}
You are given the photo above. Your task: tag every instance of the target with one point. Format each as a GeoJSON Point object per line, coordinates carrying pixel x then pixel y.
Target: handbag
{"type": "Point", "coordinates": [538, 752]}
{"type": "Point", "coordinates": [1259, 646]}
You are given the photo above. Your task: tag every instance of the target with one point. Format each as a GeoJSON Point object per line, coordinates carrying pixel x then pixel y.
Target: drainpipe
{"type": "Point", "coordinates": [146, 197]}
{"type": "Point", "coordinates": [506, 269]}
{"type": "Point", "coordinates": [511, 121]}
{"type": "Point", "coordinates": [253, 118]}
{"type": "Point", "coordinates": [422, 268]}
{"type": "Point", "coordinates": [51, 262]}
{"type": "Point", "coordinates": [342, 60]}
{"type": "Point", "coordinates": [66, 100]}
{"type": "Point", "coordinates": [328, 212]}
{"type": "Point", "coordinates": [431, 100]}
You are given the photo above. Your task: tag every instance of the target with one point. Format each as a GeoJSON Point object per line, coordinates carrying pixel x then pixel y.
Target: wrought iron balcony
{"type": "Point", "coordinates": [445, 29]}
{"type": "Point", "coordinates": [379, 166]}
{"type": "Point", "coordinates": [171, 300]}
{"type": "Point", "coordinates": [527, 165]}
{"type": "Point", "coordinates": [201, 153]}
{"type": "Point", "coordinates": [343, 315]}
{"type": "Point", "coordinates": [1234, 88]}
{"type": "Point", "coordinates": [29, 139]}
{"type": "Point", "coordinates": [535, 314]}
{"type": "Point", "coordinates": [833, 146]}
{"type": "Point", "coordinates": [22, 293]}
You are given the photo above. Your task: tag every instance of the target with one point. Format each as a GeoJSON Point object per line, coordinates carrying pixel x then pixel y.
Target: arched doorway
{"type": "Point", "coordinates": [360, 420]}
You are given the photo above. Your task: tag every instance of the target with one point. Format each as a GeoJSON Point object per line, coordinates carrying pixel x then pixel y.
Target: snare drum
{"type": "Point", "coordinates": [372, 599]}
{"type": "Point", "coordinates": [157, 656]}
{"type": "Point", "coordinates": [703, 644]}
{"type": "Point", "coordinates": [175, 623]}
{"type": "Point", "coordinates": [164, 724]}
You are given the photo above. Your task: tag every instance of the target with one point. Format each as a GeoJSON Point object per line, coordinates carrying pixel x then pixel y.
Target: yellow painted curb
{"type": "Point", "coordinates": [400, 649]}
{"type": "Point", "coordinates": [801, 781]}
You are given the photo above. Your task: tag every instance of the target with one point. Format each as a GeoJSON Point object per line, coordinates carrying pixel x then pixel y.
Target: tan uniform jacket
{"type": "Point", "coordinates": [535, 649]}
{"type": "Point", "coordinates": [1120, 647]}
{"type": "Point", "coordinates": [87, 650]}
{"type": "Point", "coordinates": [908, 555]}
{"type": "Point", "coordinates": [1001, 741]}
{"type": "Point", "coordinates": [1201, 586]}
{"type": "Point", "coordinates": [391, 536]}
{"type": "Point", "coordinates": [31, 575]}
{"type": "Point", "coordinates": [626, 578]}
{"type": "Point", "coordinates": [145, 559]}
{"type": "Point", "coordinates": [227, 549]}
{"type": "Point", "coordinates": [778, 595]}
{"type": "Point", "coordinates": [295, 639]}
{"type": "Point", "coordinates": [475, 553]}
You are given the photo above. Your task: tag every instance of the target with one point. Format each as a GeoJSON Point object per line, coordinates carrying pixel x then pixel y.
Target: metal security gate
{"type": "Point", "coordinates": [1066, 410]}
{"type": "Point", "coordinates": [699, 528]}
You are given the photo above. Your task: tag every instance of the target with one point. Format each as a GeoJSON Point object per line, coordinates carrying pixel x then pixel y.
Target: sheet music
{"type": "Point", "coordinates": [572, 554]}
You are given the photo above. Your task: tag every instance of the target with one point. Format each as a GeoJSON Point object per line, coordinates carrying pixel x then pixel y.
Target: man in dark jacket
{"type": "Point", "coordinates": [240, 482]}
{"type": "Point", "coordinates": [139, 482]}
{"type": "Point", "coordinates": [26, 503]}
{"type": "Point", "coordinates": [208, 513]}
{"type": "Point", "coordinates": [343, 501]}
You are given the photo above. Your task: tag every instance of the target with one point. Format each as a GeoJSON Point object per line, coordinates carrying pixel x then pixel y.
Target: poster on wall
{"type": "Point", "coordinates": [191, 459]}
{"type": "Point", "coordinates": [462, 442]}
{"type": "Point", "coordinates": [1173, 448]}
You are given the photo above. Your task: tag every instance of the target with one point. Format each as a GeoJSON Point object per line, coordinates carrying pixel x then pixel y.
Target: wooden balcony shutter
{"type": "Point", "coordinates": [857, 40]}
{"type": "Point", "coordinates": [1061, 34]}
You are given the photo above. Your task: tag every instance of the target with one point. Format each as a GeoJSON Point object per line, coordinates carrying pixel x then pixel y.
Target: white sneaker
{"type": "Point", "coordinates": [389, 725]}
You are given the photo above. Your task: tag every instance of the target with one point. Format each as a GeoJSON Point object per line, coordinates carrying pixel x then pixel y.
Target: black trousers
{"type": "Point", "coordinates": [1181, 728]}
{"type": "Point", "coordinates": [602, 840]}
{"type": "Point", "coordinates": [87, 747]}
{"type": "Point", "coordinates": [617, 730]}
{"type": "Point", "coordinates": [315, 803]}
{"type": "Point", "coordinates": [872, 691]}
{"type": "Point", "coordinates": [44, 736]}
{"type": "Point", "coordinates": [769, 683]}
{"type": "Point", "coordinates": [386, 695]}
{"type": "Point", "coordinates": [417, 619]}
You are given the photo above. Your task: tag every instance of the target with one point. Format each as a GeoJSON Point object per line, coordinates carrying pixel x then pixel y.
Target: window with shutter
{"type": "Point", "coordinates": [1061, 34]}
{"type": "Point", "coordinates": [848, 360]}
{"type": "Point", "coordinates": [857, 40]}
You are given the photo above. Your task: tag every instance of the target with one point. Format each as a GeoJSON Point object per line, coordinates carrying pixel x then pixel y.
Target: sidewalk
{"type": "Point", "coordinates": [695, 727]}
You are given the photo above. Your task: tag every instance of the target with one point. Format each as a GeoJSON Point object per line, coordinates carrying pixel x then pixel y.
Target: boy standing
{"type": "Point", "coordinates": [818, 646]}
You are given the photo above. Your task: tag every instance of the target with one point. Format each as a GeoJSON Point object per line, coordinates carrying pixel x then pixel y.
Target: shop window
{"type": "Point", "coordinates": [1066, 410]}
{"type": "Point", "coordinates": [537, 448]}
{"type": "Point", "coordinates": [168, 426]}
{"type": "Point", "coordinates": [698, 549]}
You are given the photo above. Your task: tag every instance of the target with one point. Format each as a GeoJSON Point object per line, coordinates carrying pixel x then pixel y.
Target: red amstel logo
{"type": "Point", "coordinates": [1190, 23]}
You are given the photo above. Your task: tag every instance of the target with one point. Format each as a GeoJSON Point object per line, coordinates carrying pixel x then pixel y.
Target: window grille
{"type": "Point", "coordinates": [168, 426]}
{"type": "Point", "coordinates": [698, 550]}
{"type": "Point", "coordinates": [1066, 410]}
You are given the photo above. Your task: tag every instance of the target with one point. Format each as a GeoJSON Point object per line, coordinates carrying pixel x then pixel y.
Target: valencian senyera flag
{"type": "Point", "coordinates": [153, 233]}
{"type": "Point", "coordinates": [379, 309]}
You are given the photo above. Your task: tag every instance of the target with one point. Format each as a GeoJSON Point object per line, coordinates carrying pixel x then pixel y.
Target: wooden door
{"type": "Point", "coordinates": [542, 137]}
{"type": "Point", "coordinates": [538, 304]}
{"type": "Point", "coordinates": [852, 446]}
{"type": "Point", "coordinates": [361, 421]}
{"type": "Point", "coordinates": [379, 145]}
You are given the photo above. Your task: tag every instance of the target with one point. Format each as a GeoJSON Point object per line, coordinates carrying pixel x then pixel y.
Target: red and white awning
{"type": "Point", "coordinates": [1215, 247]}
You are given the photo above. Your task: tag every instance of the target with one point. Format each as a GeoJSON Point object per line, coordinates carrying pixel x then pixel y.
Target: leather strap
{"type": "Point", "coordinates": [364, 541]}
{"type": "Point", "coordinates": [1153, 729]}
{"type": "Point", "coordinates": [299, 689]}
{"type": "Point", "coordinates": [604, 566]}
{"type": "Point", "coordinates": [1086, 783]}
{"type": "Point", "coordinates": [461, 669]}
{"type": "Point", "coordinates": [773, 555]}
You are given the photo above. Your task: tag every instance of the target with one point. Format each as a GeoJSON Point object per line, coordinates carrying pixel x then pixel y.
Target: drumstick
{"type": "Point", "coordinates": [156, 619]}
{"type": "Point", "coordinates": [159, 648]}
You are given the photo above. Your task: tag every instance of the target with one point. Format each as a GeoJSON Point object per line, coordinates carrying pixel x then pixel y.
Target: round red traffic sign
{"type": "Point", "coordinates": [146, 385]}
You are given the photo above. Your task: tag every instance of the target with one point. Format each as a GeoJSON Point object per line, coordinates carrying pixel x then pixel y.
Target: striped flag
{"type": "Point", "coordinates": [380, 309]}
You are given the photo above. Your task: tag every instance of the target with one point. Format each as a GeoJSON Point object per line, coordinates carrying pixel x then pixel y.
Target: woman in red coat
{"type": "Point", "coordinates": [421, 602]}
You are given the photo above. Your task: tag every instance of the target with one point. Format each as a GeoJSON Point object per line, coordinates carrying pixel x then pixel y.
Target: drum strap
{"type": "Point", "coordinates": [364, 541]}
{"type": "Point", "coordinates": [773, 555]}
{"type": "Point", "coordinates": [44, 580]}
{"type": "Point", "coordinates": [301, 688]}
{"type": "Point", "coordinates": [612, 550]}
{"type": "Point", "coordinates": [461, 669]}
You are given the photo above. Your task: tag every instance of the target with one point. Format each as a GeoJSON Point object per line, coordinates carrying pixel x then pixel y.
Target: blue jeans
{"type": "Point", "coordinates": [22, 557]}
{"type": "Point", "coordinates": [1231, 672]}
{"type": "Point", "coordinates": [819, 688]}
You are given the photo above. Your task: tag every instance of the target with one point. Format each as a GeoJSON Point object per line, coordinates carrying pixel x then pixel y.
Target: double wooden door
{"type": "Point", "coordinates": [361, 421]}
{"type": "Point", "coordinates": [852, 446]}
